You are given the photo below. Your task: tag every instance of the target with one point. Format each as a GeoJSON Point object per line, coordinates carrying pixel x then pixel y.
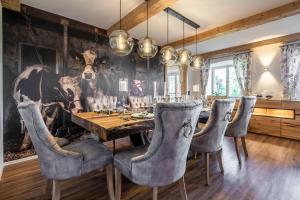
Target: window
{"type": "Point", "coordinates": [222, 79]}
{"type": "Point", "coordinates": [173, 84]}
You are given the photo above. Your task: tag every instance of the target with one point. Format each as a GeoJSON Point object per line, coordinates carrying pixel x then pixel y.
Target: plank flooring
{"type": "Point", "coordinates": [272, 171]}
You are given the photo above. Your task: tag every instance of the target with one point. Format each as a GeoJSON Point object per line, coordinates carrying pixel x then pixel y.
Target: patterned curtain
{"type": "Point", "coordinates": [204, 73]}
{"type": "Point", "coordinates": [242, 64]}
{"type": "Point", "coordinates": [290, 70]}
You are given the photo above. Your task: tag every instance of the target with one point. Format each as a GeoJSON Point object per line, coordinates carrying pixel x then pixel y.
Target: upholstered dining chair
{"type": "Point", "coordinates": [238, 127]}
{"type": "Point", "coordinates": [164, 161]}
{"type": "Point", "coordinates": [70, 161]}
{"type": "Point", "coordinates": [210, 139]}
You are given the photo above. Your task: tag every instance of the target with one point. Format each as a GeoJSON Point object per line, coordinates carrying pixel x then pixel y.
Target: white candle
{"type": "Point", "coordinates": [165, 89]}
{"type": "Point", "coordinates": [154, 89]}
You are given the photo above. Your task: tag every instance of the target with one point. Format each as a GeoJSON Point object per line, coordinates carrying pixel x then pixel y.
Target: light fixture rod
{"type": "Point", "coordinates": [181, 17]}
{"type": "Point", "coordinates": [147, 17]}
{"type": "Point", "coordinates": [120, 15]}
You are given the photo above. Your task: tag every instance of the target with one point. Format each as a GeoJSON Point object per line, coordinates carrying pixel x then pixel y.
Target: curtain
{"type": "Point", "coordinates": [241, 63]}
{"type": "Point", "coordinates": [290, 70]}
{"type": "Point", "coordinates": [204, 73]}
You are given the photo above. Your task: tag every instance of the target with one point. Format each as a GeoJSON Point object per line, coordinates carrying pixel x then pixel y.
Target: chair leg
{"type": "Point", "coordinates": [110, 182]}
{"type": "Point", "coordinates": [182, 189]}
{"type": "Point", "coordinates": [207, 167]}
{"type": "Point", "coordinates": [118, 183]}
{"type": "Point", "coordinates": [155, 193]}
{"type": "Point", "coordinates": [56, 190]}
{"type": "Point", "coordinates": [244, 146]}
{"type": "Point", "coordinates": [195, 155]}
{"type": "Point", "coordinates": [237, 149]}
{"type": "Point", "coordinates": [219, 157]}
{"type": "Point", "coordinates": [48, 188]}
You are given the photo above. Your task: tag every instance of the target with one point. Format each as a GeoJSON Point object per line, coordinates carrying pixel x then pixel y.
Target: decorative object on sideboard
{"type": "Point", "coordinates": [168, 53]}
{"type": "Point", "coordinates": [120, 41]}
{"type": "Point", "coordinates": [147, 47]}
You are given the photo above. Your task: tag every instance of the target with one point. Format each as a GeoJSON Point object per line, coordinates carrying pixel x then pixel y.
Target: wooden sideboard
{"type": "Point", "coordinates": [276, 118]}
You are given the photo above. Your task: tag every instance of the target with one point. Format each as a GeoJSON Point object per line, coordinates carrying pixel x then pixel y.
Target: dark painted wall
{"type": "Point", "coordinates": [19, 53]}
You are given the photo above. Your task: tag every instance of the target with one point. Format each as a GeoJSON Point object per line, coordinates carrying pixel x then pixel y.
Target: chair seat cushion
{"type": "Point", "coordinates": [95, 154]}
{"type": "Point", "coordinates": [122, 160]}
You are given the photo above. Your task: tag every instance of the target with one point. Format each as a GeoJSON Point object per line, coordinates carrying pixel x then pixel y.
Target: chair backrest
{"type": "Point", "coordinates": [239, 125]}
{"type": "Point", "coordinates": [165, 160]}
{"type": "Point", "coordinates": [53, 159]}
{"type": "Point", "coordinates": [210, 99]}
{"type": "Point", "coordinates": [213, 132]}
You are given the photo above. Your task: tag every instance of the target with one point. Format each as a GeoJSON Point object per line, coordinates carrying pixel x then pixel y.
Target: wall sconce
{"type": "Point", "coordinates": [266, 68]}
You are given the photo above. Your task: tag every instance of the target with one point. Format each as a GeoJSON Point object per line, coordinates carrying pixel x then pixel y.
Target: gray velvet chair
{"type": "Point", "coordinates": [164, 161]}
{"type": "Point", "coordinates": [210, 138]}
{"type": "Point", "coordinates": [238, 127]}
{"type": "Point", "coordinates": [70, 161]}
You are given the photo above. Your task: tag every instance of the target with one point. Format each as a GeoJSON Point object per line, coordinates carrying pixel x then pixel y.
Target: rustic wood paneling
{"type": "Point", "coordinates": [265, 125]}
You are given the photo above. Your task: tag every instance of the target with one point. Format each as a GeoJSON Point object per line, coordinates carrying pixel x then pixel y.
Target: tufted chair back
{"type": "Point", "coordinates": [239, 125]}
{"type": "Point", "coordinates": [56, 163]}
{"type": "Point", "coordinates": [165, 160]}
{"type": "Point", "coordinates": [212, 135]}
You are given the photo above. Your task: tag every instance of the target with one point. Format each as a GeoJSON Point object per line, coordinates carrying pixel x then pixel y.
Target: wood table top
{"type": "Point", "coordinates": [103, 123]}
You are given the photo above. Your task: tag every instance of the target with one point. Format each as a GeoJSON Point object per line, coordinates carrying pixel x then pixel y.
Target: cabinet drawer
{"type": "Point", "coordinates": [265, 125]}
{"type": "Point", "coordinates": [291, 128]}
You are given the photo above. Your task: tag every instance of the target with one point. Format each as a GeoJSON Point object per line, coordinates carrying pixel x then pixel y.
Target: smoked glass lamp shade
{"type": "Point", "coordinates": [147, 47]}
{"type": "Point", "coordinates": [184, 57]}
{"type": "Point", "coordinates": [121, 43]}
{"type": "Point", "coordinates": [168, 55]}
{"type": "Point", "coordinates": [197, 62]}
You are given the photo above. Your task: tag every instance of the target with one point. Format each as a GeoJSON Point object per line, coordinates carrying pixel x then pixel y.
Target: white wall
{"type": "Point", "coordinates": [267, 82]}
{"type": "Point", "coordinates": [263, 82]}
{"type": "Point", "coordinates": [1, 96]}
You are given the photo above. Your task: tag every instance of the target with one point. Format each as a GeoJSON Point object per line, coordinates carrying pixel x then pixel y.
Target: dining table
{"type": "Point", "coordinates": [110, 127]}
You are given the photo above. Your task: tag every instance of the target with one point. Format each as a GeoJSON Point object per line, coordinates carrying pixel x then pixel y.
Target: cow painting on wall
{"type": "Point", "coordinates": [91, 71]}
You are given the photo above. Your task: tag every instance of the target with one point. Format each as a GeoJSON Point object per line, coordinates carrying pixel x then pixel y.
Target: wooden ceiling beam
{"type": "Point", "coordinates": [245, 23]}
{"type": "Point", "coordinates": [11, 4]}
{"type": "Point", "coordinates": [139, 14]}
{"type": "Point", "coordinates": [232, 50]}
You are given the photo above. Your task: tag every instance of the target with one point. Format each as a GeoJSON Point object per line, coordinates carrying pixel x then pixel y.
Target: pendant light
{"type": "Point", "coordinates": [120, 41]}
{"type": "Point", "coordinates": [184, 55]}
{"type": "Point", "coordinates": [168, 54]}
{"type": "Point", "coordinates": [197, 61]}
{"type": "Point", "coordinates": [147, 47]}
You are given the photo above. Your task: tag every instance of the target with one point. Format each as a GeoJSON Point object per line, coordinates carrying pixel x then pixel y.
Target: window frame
{"type": "Point", "coordinates": [227, 67]}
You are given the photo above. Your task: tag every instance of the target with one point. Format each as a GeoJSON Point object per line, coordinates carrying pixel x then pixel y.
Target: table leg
{"type": "Point", "coordinates": [114, 146]}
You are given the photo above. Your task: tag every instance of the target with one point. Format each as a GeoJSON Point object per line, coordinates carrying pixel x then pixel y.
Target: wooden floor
{"type": "Point", "coordinates": [272, 171]}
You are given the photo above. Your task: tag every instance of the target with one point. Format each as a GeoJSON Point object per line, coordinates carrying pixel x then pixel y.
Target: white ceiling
{"type": "Point", "coordinates": [207, 13]}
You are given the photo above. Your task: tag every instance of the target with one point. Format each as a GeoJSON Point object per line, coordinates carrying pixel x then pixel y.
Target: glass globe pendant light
{"type": "Point", "coordinates": [168, 55]}
{"type": "Point", "coordinates": [147, 47]}
{"type": "Point", "coordinates": [184, 55]}
{"type": "Point", "coordinates": [120, 41]}
{"type": "Point", "coordinates": [197, 61]}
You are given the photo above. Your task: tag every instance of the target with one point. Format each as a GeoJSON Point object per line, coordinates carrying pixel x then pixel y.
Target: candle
{"type": "Point", "coordinates": [176, 90]}
{"type": "Point", "coordinates": [165, 89]}
{"type": "Point", "coordinates": [154, 89]}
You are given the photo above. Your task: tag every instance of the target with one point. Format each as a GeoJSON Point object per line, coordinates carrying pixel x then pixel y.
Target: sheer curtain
{"type": "Point", "coordinates": [204, 73]}
{"type": "Point", "coordinates": [242, 63]}
{"type": "Point", "coordinates": [290, 71]}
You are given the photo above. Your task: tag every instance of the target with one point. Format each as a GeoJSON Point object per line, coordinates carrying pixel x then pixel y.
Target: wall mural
{"type": "Point", "coordinates": [33, 70]}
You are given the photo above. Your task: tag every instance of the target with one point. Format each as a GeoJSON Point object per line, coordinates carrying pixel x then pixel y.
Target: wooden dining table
{"type": "Point", "coordinates": [113, 126]}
